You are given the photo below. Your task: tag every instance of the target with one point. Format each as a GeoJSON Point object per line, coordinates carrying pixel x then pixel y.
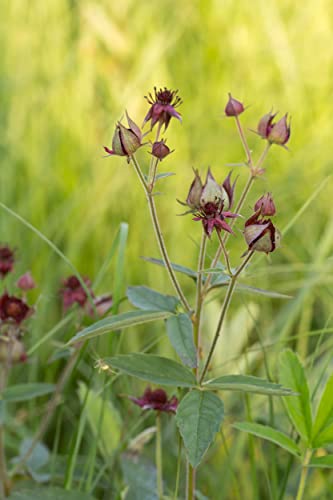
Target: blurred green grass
{"type": "Point", "coordinates": [69, 68]}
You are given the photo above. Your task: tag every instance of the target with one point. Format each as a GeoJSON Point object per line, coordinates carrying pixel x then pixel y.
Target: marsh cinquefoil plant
{"type": "Point", "coordinates": [199, 412]}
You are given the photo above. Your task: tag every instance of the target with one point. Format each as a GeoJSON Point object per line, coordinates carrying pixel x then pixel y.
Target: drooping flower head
{"type": "Point", "coordinates": [274, 133]}
{"type": "Point", "coordinates": [208, 202]}
{"type": "Point", "coordinates": [163, 107]}
{"type": "Point", "coordinates": [260, 233]}
{"type": "Point", "coordinates": [73, 292]}
{"type": "Point", "coordinates": [6, 260]}
{"type": "Point", "coordinates": [156, 400]}
{"type": "Point", "coordinates": [125, 140]}
{"type": "Point", "coordinates": [13, 309]}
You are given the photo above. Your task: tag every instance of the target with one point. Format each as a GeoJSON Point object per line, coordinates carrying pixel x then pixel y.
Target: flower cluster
{"type": "Point", "coordinates": [208, 202]}
{"type": "Point", "coordinates": [156, 400]}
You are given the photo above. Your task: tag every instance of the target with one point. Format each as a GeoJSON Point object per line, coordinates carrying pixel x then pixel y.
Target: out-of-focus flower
{"type": "Point", "coordinates": [275, 133]}
{"type": "Point", "coordinates": [207, 202]}
{"type": "Point", "coordinates": [163, 107]}
{"type": "Point", "coordinates": [160, 150]}
{"type": "Point", "coordinates": [233, 107]}
{"type": "Point", "coordinates": [125, 140]}
{"type": "Point", "coordinates": [6, 260]}
{"type": "Point", "coordinates": [12, 350]}
{"type": "Point", "coordinates": [73, 292]}
{"type": "Point", "coordinates": [103, 303]}
{"type": "Point", "coordinates": [261, 234]}
{"type": "Point", "coordinates": [266, 205]}
{"type": "Point", "coordinates": [13, 308]}
{"type": "Point", "coordinates": [26, 282]}
{"type": "Point", "coordinates": [156, 400]}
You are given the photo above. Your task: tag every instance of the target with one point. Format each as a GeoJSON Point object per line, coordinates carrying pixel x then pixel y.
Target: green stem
{"type": "Point", "coordinates": [225, 307]}
{"type": "Point", "coordinates": [199, 298]}
{"type": "Point", "coordinates": [159, 236]}
{"type": "Point", "coordinates": [244, 142]}
{"type": "Point", "coordinates": [190, 487]}
{"type": "Point", "coordinates": [4, 478]}
{"type": "Point", "coordinates": [179, 462]}
{"type": "Point", "coordinates": [304, 474]}
{"type": "Point", "coordinates": [225, 253]}
{"type": "Point", "coordinates": [158, 456]}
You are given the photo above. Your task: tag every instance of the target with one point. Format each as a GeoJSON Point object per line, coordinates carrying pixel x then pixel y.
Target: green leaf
{"type": "Point", "coordinates": [147, 299]}
{"type": "Point", "coordinates": [180, 333]}
{"type": "Point", "coordinates": [323, 424]}
{"type": "Point", "coordinates": [141, 479]}
{"type": "Point", "coordinates": [24, 392]}
{"type": "Point", "coordinates": [49, 493]}
{"type": "Point", "coordinates": [104, 420]}
{"type": "Point", "coordinates": [260, 291]}
{"type": "Point", "coordinates": [119, 322]}
{"type": "Point", "coordinates": [176, 267]}
{"type": "Point", "coordinates": [299, 408]}
{"type": "Point", "coordinates": [247, 383]}
{"type": "Point", "coordinates": [39, 458]}
{"type": "Point", "coordinates": [199, 417]}
{"type": "Point", "coordinates": [322, 462]}
{"type": "Point", "coordinates": [270, 434]}
{"type": "Point", "coordinates": [152, 368]}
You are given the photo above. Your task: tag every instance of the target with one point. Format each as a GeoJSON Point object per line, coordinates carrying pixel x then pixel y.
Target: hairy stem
{"type": "Point", "coordinates": [159, 236]}
{"type": "Point", "coordinates": [158, 456]}
{"type": "Point", "coordinates": [224, 310]}
{"type": "Point", "coordinates": [304, 475]}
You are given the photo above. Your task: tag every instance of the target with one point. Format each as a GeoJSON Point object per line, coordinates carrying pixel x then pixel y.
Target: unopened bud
{"type": "Point", "coordinates": [233, 107]}
{"type": "Point", "coordinates": [26, 282]}
{"type": "Point", "coordinates": [211, 192]}
{"type": "Point", "coordinates": [160, 150]}
{"type": "Point", "coordinates": [266, 205]}
{"type": "Point", "coordinates": [125, 140]}
{"type": "Point", "coordinates": [280, 132]}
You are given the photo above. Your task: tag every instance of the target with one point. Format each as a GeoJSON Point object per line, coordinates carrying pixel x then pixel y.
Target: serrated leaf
{"type": "Point", "coordinates": [49, 493]}
{"type": "Point", "coordinates": [104, 420]}
{"type": "Point", "coordinates": [322, 462]}
{"type": "Point", "coordinates": [147, 299]}
{"type": "Point", "coordinates": [199, 417]}
{"type": "Point", "coordinates": [323, 424]}
{"type": "Point", "coordinates": [270, 434]}
{"type": "Point", "coordinates": [24, 392]}
{"type": "Point", "coordinates": [247, 383]}
{"type": "Point", "coordinates": [180, 333]}
{"type": "Point", "coordinates": [298, 408]}
{"type": "Point", "coordinates": [119, 322]}
{"type": "Point", "coordinates": [176, 267]}
{"type": "Point", "coordinates": [152, 368]}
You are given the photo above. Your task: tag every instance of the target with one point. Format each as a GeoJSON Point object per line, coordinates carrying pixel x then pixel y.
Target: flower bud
{"type": "Point", "coordinates": [194, 194]}
{"type": "Point", "coordinates": [266, 205]}
{"type": "Point", "coordinates": [6, 260]}
{"type": "Point", "coordinates": [280, 132]}
{"type": "Point", "coordinates": [233, 107]}
{"type": "Point", "coordinates": [229, 189]}
{"type": "Point", "coordinates": [261, 235]}
{"type": "Point", "coordinates": [211, 192]}
{"type": "Point", "coordinates": [26, 282]}
{"type": "Point", "coordinates": [160, 150]}
{"type": "Point", "coordinates": [265, 125]}
{"type": "Point", "coordinates": [125, 140]}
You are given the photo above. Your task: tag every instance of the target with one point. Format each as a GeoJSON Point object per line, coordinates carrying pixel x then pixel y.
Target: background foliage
{"type": "Point", "coordinates": [68, 69]}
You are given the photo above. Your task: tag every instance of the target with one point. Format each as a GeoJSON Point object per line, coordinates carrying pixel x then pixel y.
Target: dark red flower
{"type": "Point", "coordinates": [233, 107]}
{"type": "Point", "coordinates": [6, 260]}
{"type": "Point", "coordinates": [162, 109]}
{"type": "Point", "coordinates": [13, 308]}
{"type": "Point", "coordinates": [160, 150]}
{"type": "Point", "coordinates": [125, 140]}
{"type": "Point", "coordinates": [261, 234]}
{"type": "Point", "coordinates": [73, 292]}
{"type": "Point", "coordinates": [156, 400]}
{"type": "Point", "coordinates": [266, 205]}
{"type": "Point", "coordinates": [26, 282]}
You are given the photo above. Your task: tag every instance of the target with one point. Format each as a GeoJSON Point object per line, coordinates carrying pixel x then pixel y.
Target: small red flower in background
{"type": "Point", "coordinates": [162, 109]}
{"type": "Point", "coordinates": [13, 308]}
{"type": "Point", "coordinates": [156, 400]}
{"type": "Point", "coordinates": [73, 292]}
{"type": "Point", "coordinates": [26, 282]}
{"type": "Point", "coordinates": [6, 260]}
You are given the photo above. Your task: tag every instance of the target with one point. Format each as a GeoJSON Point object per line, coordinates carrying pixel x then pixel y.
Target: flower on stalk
{"type": "Point", "coordinates": [266, 205]}
{"type": "Point", "coordinates": [6, 260]}
{"type": "Point", "coordinates": [261, 234]}
{"type": "Point", "coordinates": [14, 309]}
{"type": "Point", "coordinates": [275, 133]}
{"type": "Point", "coordinates": [73, 292]}
{"type": "Point", "coordinates": [160, 150]}
{"type": "Point", "coordinates": [233, 107]}
{"type": "Point", "coordinates": [163, 107]}
{"type": "Point", "coordinates": [156, 400]}
{"type": "Point", "coordinates": [125, 140]}
{"type": "Point", "coordinates": [26, 282]}
{"type": "Point", "coordinates": [208, 202]}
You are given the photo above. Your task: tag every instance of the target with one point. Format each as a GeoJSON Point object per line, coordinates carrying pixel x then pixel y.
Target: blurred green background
{"type": "Point", "coordinates": [69, 69]}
